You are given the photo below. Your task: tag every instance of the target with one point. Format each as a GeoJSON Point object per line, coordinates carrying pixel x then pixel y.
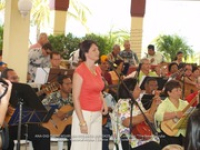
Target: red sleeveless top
{"type": "Point", "coordinates": [91, 88]}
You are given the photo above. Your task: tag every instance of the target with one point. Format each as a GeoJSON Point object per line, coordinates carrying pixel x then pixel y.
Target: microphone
{"type": "Point", "coordinates": [112, 64]}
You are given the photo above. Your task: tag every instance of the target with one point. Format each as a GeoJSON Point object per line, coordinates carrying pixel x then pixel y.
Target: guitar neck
{"type": "Point", "coordinates": [39, 93]}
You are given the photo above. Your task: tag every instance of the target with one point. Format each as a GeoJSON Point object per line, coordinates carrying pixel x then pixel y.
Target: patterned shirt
{"type": "Point", "coordinates": [55, 100]}
{"type": "Point", "coordinates": [129, 57]}
{"type": "Point", "coordinates": [36, 60]}
{"type": "Point", "coordinates": [122, 112]}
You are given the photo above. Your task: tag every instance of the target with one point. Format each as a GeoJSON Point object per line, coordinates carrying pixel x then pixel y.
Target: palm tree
{"type": "Point", "coordinates": [79, 12]}
{"type": "Point", "coordinates": [171, 44]}
{"type": "Point", "coordinates": [2, 5]}
{"type": "Point", "coordinates": [40, 13]}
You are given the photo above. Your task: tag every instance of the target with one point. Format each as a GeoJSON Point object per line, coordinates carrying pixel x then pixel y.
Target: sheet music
{"type": "Point", "coordinates": [42, 75]}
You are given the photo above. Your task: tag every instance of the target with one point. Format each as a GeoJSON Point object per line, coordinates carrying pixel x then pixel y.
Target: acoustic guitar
{"type": "Point", "coordinates": [168, 126]}
{"type": "Point", "coordinates": [57, 123]}
{"type": "Point", "coordinates": [142, 130]}
{"type": "Point", "coordinates": [51, 87]}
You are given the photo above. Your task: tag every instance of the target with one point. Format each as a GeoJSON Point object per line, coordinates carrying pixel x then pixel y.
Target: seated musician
{"type": "Point", "coordinates": [39, 135]}
{"type": "Point", "coordinates": [59, 99]}
{"type": "Point", "coordinates": [193, 77]}
{"type": "Point", "coordinates": [122, 114]}
{"type": "Point", "coordinates": [144, 70]}
{"type": "Point", "coordinates": [189, 85]}
{"type": "Point", "coordinates": [195, 94]}
{"type": "Point", "coordinates": [171, 108]}
{"type": "Point", "coordinates": [114, 76]}
{"type": "Point", "coordinates": [55, 60]}
{"type": "Point", "coordinates": [173, 69]}
{"type": "Point", "coordinates": [151, 86]}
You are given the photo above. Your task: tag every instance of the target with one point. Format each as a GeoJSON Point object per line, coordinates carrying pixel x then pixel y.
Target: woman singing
{"type": "Point", "coordinates": [88, 100]}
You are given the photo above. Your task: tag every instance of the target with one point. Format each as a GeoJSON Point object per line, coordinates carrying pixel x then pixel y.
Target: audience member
{"type": "Point", "coordinates": [154, 57]}
{"type": "Point", "coordinates": [42, 39]}
{"type": "Point", "coordinates": [114, 55]}
{"type": "Point", "coordinates": [130, 58]}
{"type": "Point", "coordinates": [39, 58]}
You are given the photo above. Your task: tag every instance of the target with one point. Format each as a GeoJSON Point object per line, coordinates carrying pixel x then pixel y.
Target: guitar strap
{"type": "Point", "coordinates": [4, 137]}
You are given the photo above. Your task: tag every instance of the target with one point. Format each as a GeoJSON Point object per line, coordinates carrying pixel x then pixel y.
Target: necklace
{"type": "Point", "coordinates": [92, 71]}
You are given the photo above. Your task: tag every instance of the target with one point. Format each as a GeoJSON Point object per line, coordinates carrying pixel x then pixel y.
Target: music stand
{"type": "Point", "coordinates": [55, 73]}
{"type": "Point", "coordinates": [23, 94]}
{"type": "Point", "coordinates": [147, 100]}
{"type": "Point", "coordinates": [29, 116]}
{"type": "Point", "coordinates": [161, 82]}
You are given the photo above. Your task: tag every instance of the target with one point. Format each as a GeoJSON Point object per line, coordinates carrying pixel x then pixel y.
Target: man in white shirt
{"type": "Point", "coordinates": [154, 57]}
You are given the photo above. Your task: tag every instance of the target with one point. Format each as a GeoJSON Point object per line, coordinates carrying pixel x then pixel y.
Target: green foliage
{"type": "Point", "coordinates": [171, 44]}
{"type": "Point", "coordinates": [64, 44]}
{"type": "Point", "coordinates": [69, 43]}
{"type": "Point", "coordinates": [103, 42]}
{"type": "Point", "coordinates": [1, 37]}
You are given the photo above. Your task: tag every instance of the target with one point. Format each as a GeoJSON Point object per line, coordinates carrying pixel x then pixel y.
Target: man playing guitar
{"type": "Point", "coordinates": [58, 100]}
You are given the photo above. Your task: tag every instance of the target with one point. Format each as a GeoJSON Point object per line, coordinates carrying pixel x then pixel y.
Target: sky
{"type": "Point", "coordinates": [162, 17]}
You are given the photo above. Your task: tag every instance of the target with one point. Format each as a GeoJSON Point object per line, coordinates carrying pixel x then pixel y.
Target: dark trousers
{"type": "Point", "coordinates": [148, 146]}
{"type": "Point", "coordinates": [166, 140]}
{"type": "Point", "coordinates": [106, 137]}
{"type": "Point", "coordinates": [39, 136]}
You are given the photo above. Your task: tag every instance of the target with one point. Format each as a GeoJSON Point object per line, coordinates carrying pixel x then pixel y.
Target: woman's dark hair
{"type": "Point", "coordinates": [84, 48]}
{"type": "Point", "coordinates": [171, 64]}
{"type": "Point", "coordinates": [172, 84]}
{"type": "Point", "coordinates": [192, 141]}
{"type": "Point", "coordinates": [130, 83]}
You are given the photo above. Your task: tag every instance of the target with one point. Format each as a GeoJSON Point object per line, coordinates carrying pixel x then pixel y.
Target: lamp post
{"type": "Point", "coordinates": [24, 7]}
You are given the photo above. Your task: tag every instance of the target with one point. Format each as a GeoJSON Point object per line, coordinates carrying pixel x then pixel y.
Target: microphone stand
{"type": "Point", "coordinates": [133, 101]}
{"type": "Point", "coordinates": [20, 124]}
